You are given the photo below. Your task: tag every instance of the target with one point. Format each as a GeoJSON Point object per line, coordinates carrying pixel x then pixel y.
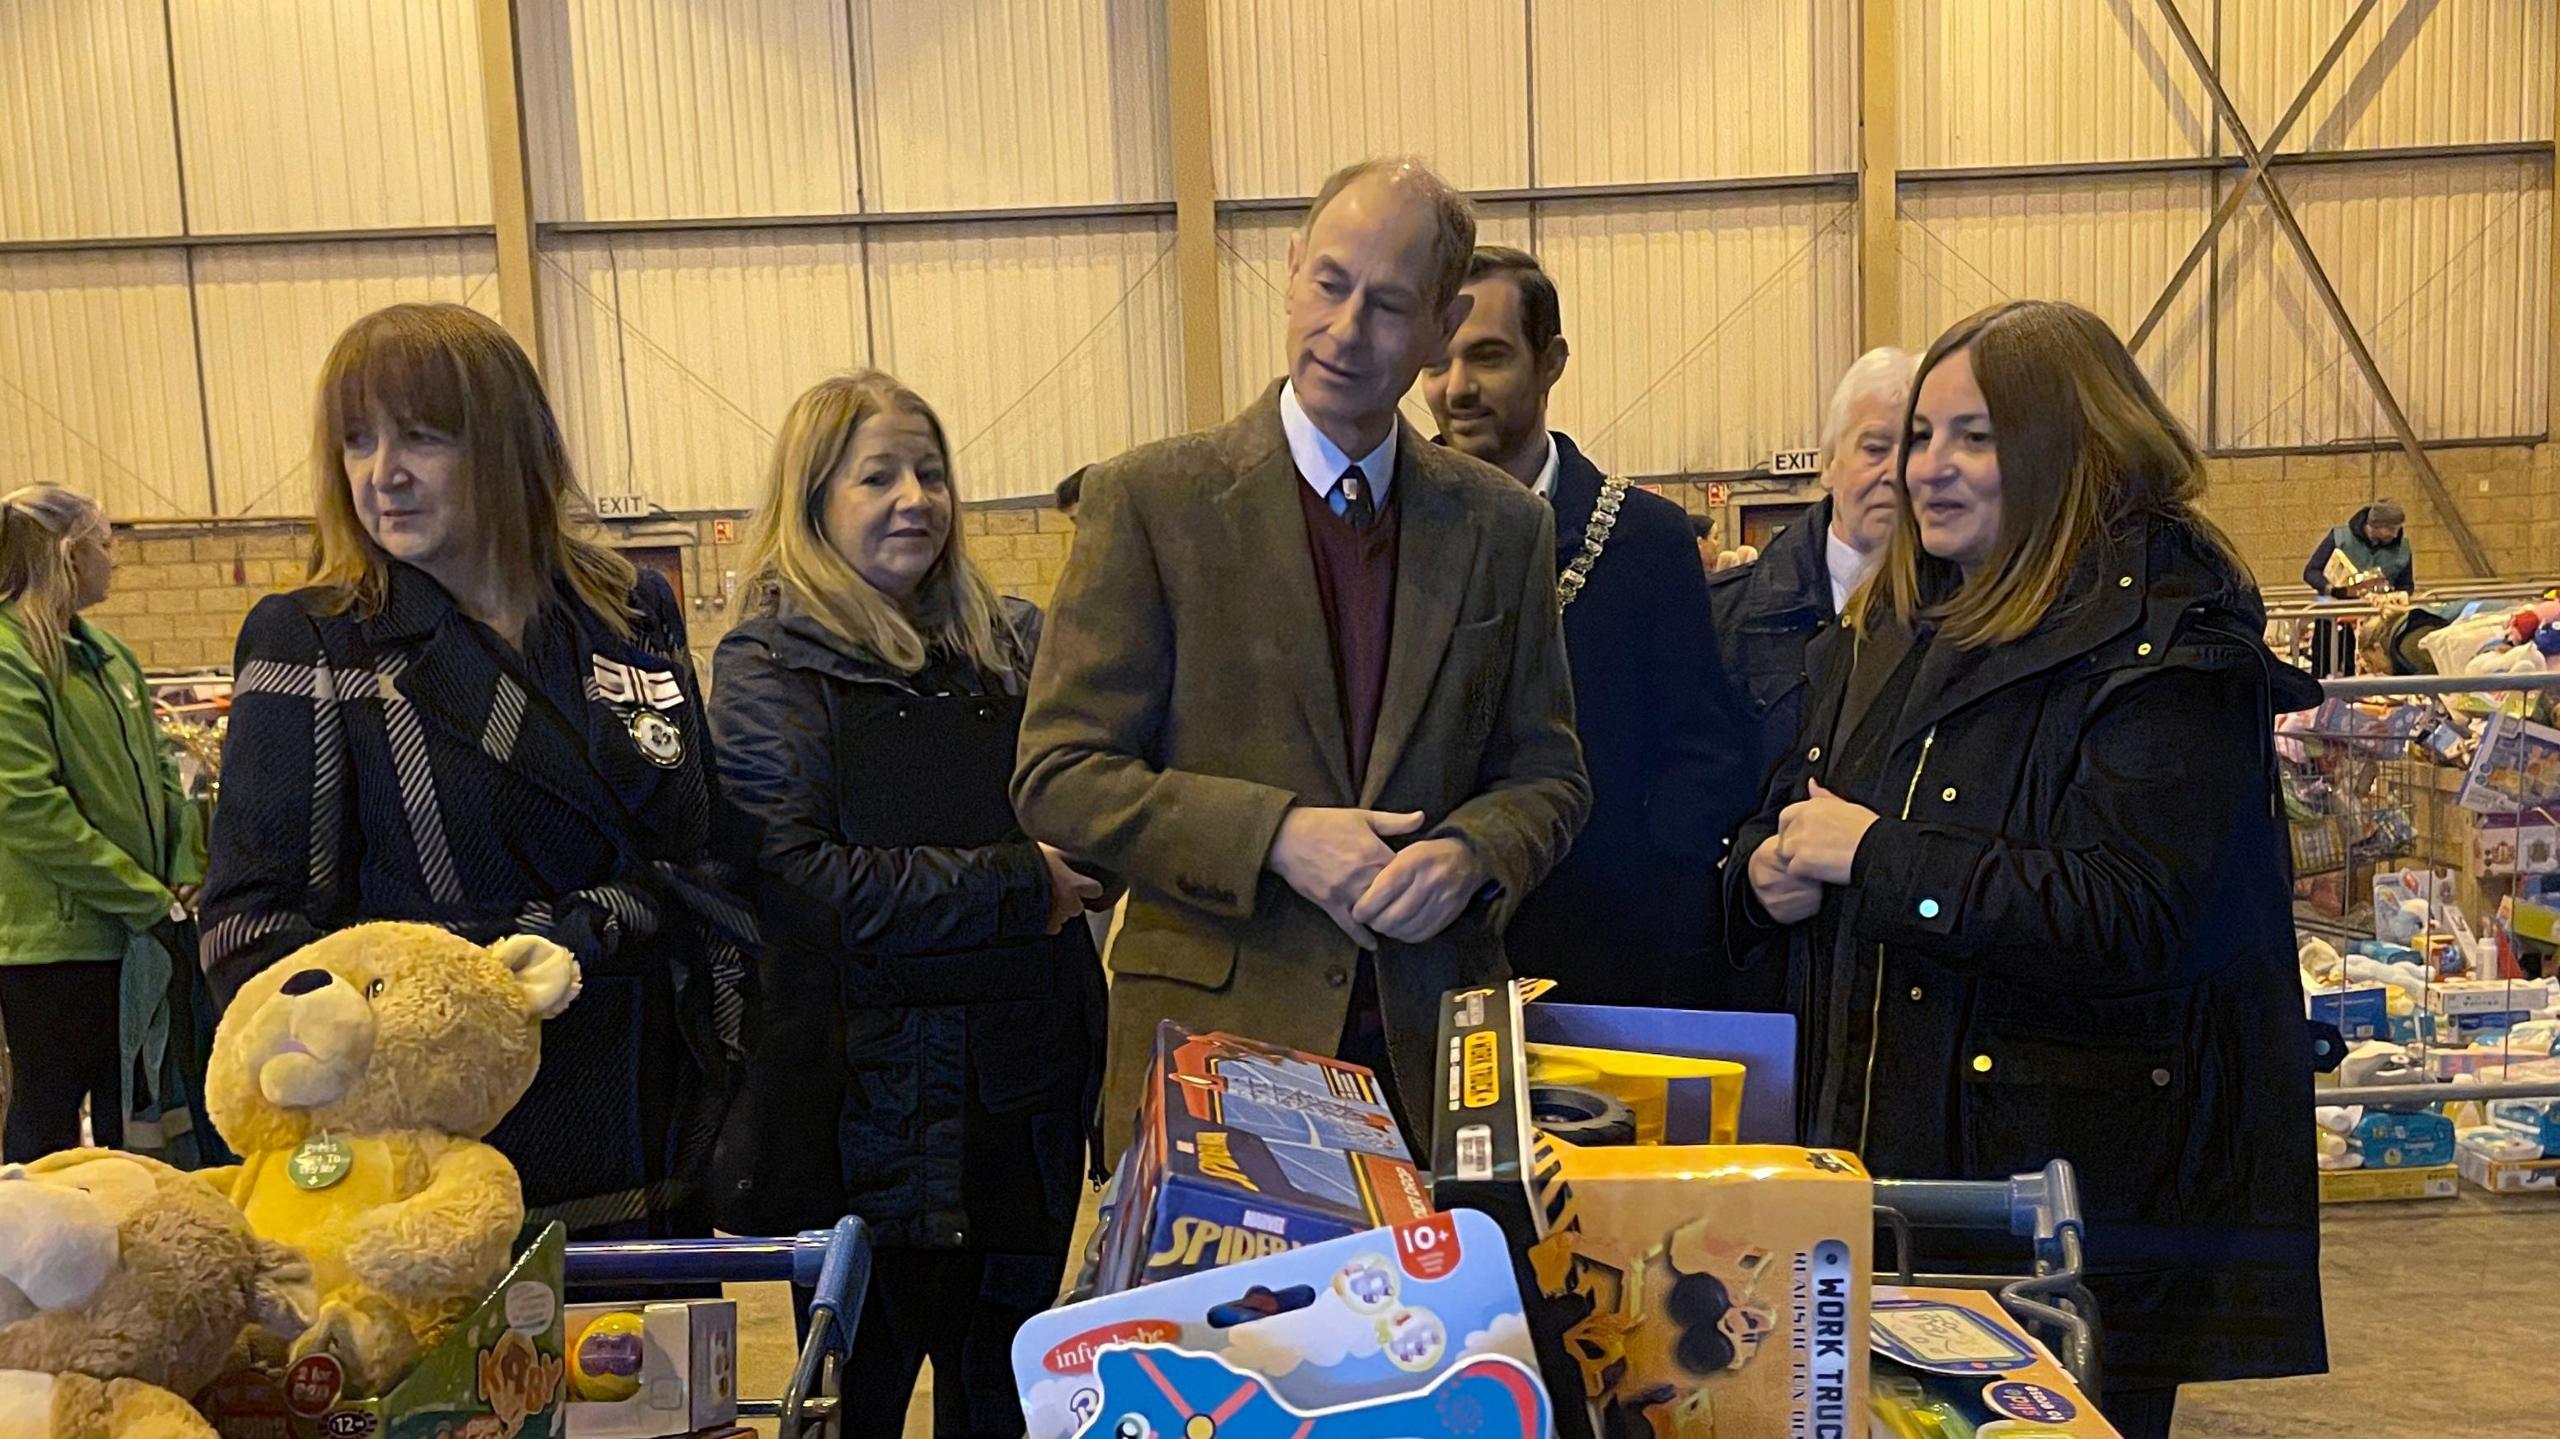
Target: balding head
{"type": "Point", "coordinates": [1373, 294]}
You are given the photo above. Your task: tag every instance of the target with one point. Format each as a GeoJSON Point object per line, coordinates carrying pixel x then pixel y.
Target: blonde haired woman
{"type": "Point", "coordinates": [932, 1046]}
{"type": "Point", "coordinates": [96, 839]}
{"type": "Point", "coordinates": [475, 717]}
{"type": "Point", "coordinates": [2028, 851]}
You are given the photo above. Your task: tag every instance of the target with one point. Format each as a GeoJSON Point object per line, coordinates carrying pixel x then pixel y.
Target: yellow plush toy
{"type": "Point", "coordinates": [356, 1079]}
{"type": "Point", "coordinates": [123, 1286]}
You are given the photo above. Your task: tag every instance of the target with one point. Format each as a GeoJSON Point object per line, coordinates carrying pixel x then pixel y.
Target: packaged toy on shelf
{"type": "Point", "coordinates": [1246, 1149]}
{"type": "Point", "coordinates": [1385, 1324]}
{"type": "Point", "coordinates": [646, 1371]}
{"type": "Point", "coordinates": [1952, 1362]}
{"type": "Point", "coordinates": [1695, 1290]}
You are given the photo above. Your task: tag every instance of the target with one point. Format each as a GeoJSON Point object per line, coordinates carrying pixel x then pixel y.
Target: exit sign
{"type": "Point", "coordinates": [622, 507]}
{"type": "Point", "coordinates": [1796, 462]}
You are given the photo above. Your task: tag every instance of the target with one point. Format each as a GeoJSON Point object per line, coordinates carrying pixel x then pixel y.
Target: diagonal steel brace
{"type": "Point", "coordinates": [2428, 480]}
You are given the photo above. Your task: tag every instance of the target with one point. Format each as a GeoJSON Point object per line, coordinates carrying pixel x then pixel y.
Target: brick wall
{"type": "Point", "coordinates": [2277, 507]}
{"type": "Point", "coordinates": [179, 599]}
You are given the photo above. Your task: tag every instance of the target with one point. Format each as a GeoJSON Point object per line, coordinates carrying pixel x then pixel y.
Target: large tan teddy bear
{"type": "Point", "coordinates": [123, 1286]}
{"type": "Point", "coordinates": [356, 1079]}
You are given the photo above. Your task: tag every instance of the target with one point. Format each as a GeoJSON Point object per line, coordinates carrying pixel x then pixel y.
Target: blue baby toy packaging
{"type": "Point", "coordinates": [1417, 1328]}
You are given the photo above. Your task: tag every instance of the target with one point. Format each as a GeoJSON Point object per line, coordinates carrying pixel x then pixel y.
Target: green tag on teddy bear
{"type": "Point", "coordinates": [322, 1160]}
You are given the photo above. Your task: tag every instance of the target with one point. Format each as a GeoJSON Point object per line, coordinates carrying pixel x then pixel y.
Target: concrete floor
{"type": "Point", "coordinates": [2438, 1312]}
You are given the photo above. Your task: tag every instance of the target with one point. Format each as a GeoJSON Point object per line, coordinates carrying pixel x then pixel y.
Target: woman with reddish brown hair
{"type": "Point", "coordinates": [478, 718]}
{"type": "Point", "coordinates": [2029, 864]}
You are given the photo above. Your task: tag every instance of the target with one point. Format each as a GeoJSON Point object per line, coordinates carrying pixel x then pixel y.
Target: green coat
{"type": "Point", "coordinates": [93, 827]}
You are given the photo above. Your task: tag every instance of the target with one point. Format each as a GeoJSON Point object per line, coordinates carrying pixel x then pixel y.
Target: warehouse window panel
{"type": "Point", "coordinates": [331, 114]}
{"type": "Point", "coordinates": [86, 140]}
{"type": "Point", "coordinates": [2024, 82]}
{"type": "Point", "coordinates": [1044, 345]}
{"type": "Point", "coordinates": [1301, 87]}
{"type": "Point", "coordinates": [1012, 102]}
{"type": "Point", "coordinates": [269, 315]}
{"type": "Point", "coordinates": [97, 381]}
{"type": "Point", "coordinates": [2445, 267]}
{"type": "Point", "coordinates": [1634, 91]}
{"type": "Point", "coordinates": [2109, 245]}
{"type": "Point", "coordinates": [677, 109]}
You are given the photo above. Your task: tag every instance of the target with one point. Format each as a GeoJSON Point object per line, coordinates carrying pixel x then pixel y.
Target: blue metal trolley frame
{"type": "Point", "coordinates": [834, 1263]}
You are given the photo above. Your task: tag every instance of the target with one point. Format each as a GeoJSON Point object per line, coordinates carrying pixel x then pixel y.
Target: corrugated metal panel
{"type": "Point", "coordinates": [673, 357]}
{"type": "Point", "coordinates": [1044, 346]}
{"type": "Point", "coordinates": [85, 134]}
{"type": "Point", "coordinates": [2019, 82]}
{"type": "Point", "coordinates": [1303, 87]}
{"type": "Point", "coordinates": [2417, 73]}
{"type": "Point", "coordinates": [1253, 266]}
{"type": "Point", "coordinates": [2108, 245]}
{"type": "Point", "coordinates": [2444, 267]}
{"type": "Point", "coordinates": [270, 314]}
{"type": "Point", "coordinates": [98, 383]}
{"type": "Point", "coordinates": [1630, 91]}
{"type": "Point", "coordinates": [1705, 333]}
{"type": "Point", "coordinates": [331, 114]}
{"type": "Point", "coordinates": [662, 109]}
{"type": "Point", "coordinates": [1012, 102]}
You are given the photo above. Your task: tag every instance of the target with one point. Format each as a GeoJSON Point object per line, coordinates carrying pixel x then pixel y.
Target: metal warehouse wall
{"type": "Point", "coordinates": [729, 198]}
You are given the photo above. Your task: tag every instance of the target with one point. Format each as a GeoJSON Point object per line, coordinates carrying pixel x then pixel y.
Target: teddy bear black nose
{"type": "Point", "coordinates": [307, 981]}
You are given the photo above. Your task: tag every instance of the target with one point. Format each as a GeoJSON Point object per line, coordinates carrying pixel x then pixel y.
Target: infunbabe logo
{"type": "Point", "coordinates": [1075, 1356]}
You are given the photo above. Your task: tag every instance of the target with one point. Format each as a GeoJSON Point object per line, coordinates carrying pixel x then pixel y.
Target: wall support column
{"type": "Point", "coordinates": [1879, 266]}
{"type": "Point", "coordinates": [1195, 216]}
{"type": "Point", "coordinates": [510, 176]}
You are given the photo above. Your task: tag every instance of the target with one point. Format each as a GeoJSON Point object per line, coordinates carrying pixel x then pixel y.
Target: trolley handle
{"type": "Point", "coordinates": [842, 1259]}
{"type": "Point", "coordinates": [2043, 1206]}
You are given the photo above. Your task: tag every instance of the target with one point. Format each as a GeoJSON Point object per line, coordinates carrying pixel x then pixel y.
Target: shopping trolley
{"type": "Point", "coordinates": [834, 1263]}
{"type": "Point", "coordinates": [2043, 1208]}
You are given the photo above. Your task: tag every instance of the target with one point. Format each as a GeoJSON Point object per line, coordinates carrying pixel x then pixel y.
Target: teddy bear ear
{"type": "Point", "coordinates": [546, 972]}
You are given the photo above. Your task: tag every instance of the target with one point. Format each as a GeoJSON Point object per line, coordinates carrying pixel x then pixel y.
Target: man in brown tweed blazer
{"type": "Point", "coordinates": [1303, 682]}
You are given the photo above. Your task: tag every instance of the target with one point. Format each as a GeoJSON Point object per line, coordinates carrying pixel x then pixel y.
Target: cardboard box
{"type": "Point", "coordinates": [686, 1375]}
{"type": "Point", "coordinates": [1687, 1289]}
{"type": "Point", "coordinates": [2510, 1176]}
{"type": "Point", "coordinates": [499, 1374]}
{"type": "Point", "coordinates": [1358, 1323]}
{"type": "Point", "coordinates": [2359, 1186]}
{"type": "Point", "coordinates": [1952, 1361]}
{"type": "Point", "coordinates": [2455, 998]}
{"type": "Point", "coordinates": [1246, 1149]}
{"type": "Point", "coordinates": [2361, 1011]}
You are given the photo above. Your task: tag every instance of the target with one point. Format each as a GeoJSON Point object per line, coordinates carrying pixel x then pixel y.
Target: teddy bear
{"type": "Point", "coordinates": [357, 1079]}
{"type": "Point", "coordinates": [124, 1284]}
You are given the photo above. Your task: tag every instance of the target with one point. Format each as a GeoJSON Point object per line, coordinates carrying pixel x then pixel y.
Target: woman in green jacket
{"type": "Point", "coordinates": [96, 841]}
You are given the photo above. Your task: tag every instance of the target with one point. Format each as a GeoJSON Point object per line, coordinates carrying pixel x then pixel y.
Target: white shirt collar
{"type": "Point", "coordinates": [1544, 487]}
{"type": "Point", "coordinates": [1321, 461]}
{"type": "Point", "coordinates": [1847, 567]}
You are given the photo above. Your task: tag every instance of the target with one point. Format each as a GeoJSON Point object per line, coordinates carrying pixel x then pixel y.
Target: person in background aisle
{"type": "Point", "coordinates": [2031, 863]}
{"type": "Point", "coordinates": [474, 717]}
{"type": "Point", "coordinates": [1629, 915]}
{"type": "Point", "coordinates": [1702, 530]}
{"type": "Point", "coordinates": [1767, 612]}
{"type": "Point", "coordinates": [98, 850]}
{"type": "Point", "coordinates": [2375, 538]}
{"type": "Point", "coordinates": [1305, 684]}
{"type": "Point", "coordinates": [931, 1052]}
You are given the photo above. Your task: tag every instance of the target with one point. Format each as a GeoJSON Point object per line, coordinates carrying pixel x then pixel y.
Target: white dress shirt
{"type": "Point", "coordinates": [1545, 485]}
{"type": "Point", "coordinates": [1321, 461]}
{"type": "Point", "coordinates": [1847, 568]}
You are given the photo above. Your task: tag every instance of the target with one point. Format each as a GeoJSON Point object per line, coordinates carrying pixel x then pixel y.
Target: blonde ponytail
{"type": "Point", "coordinates": [37, 527]}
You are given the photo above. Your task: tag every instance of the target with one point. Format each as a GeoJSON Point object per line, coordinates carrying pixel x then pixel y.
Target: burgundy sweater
{"type": "Point", "coordinates": [1356, 583]}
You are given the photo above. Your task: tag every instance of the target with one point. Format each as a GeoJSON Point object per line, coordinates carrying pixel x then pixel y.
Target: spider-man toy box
{"type": "Point", "coordinates": [1411, 1330]}
{"type": "Point", "coordinates": [1247, 1149]}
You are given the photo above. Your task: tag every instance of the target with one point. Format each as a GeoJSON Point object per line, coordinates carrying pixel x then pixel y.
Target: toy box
{"type": "Point", "coordinates": [1678, 1289]}
{"type": "Point", "coordinates": [1365, 1320]}
{"type": "Point", "coordinates": [2358, 1186]}
{"type": "Point", "coordinates": [2510, 1176]}
{"type": "Point", "coordinates": [2360, 1011]}
{"type": "Point", "coordinates": [1246, 1149]}
{"type": "Point", "coordinates": [499, 1374]}
{"type": "Point", "coordinates": [645, 1371]}
{"type": "Point", "coordinates": [2455, 999]}
{"type": "Point", "coordinates": [1952, 1361]}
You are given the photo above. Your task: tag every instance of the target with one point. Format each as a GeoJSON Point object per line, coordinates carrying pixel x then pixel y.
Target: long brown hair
{"type": "Point", "coordinates": [955, 611]}
{"type": "Point", "coordinates": [38, 527]}
{"type": "Point", "coordinates": [454, 370]}
{"type": "Point", "coordinates": [2083, 442]}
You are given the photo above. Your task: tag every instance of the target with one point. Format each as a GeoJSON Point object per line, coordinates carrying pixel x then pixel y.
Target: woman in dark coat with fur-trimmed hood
{"type": "Point", "coordinates": [2031, 853]}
